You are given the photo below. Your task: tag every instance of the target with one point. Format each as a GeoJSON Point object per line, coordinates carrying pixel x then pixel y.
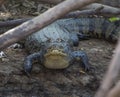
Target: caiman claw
{"type": "Point", "coordinates": [28, 62]}
{"type": "Point", "coordinates": [82, 56]}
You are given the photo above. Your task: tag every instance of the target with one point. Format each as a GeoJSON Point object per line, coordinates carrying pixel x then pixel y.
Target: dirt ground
{"type": "Point", "coordinates": [70, 82]}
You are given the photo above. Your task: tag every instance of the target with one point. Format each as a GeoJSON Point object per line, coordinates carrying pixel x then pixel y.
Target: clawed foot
{"type": "Point", "coordinates": [82, 57]}
{"type": "Point", "coordinates": [28, 62]}
{"type": "Point", "coordinates": [27, 68]}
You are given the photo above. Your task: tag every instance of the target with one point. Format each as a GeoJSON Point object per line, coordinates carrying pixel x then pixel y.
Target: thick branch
{"type": "Point", "coordinates": [105, 11]}
{"type": "Point", "coordinates": [41, 21]}
{"type": "Point", "coordinates": [115, 92]}
{"type": "Point", "coordinates": [111, 75]}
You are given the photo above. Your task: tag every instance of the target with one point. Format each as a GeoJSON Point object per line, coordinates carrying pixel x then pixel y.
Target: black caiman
{"type": "Point", "coordinates": [53, 45]}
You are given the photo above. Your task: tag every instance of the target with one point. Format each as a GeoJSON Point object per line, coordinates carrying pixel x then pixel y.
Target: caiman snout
{"type": "Point", "coordinates": [56, 59]}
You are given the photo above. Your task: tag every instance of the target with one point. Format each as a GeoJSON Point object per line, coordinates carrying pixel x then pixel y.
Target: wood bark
{"type": "Point", "coordinates": [106, 10]}
{"type": "Point", "coordinates": [41, 21]}
{"type": "Point", "coordinates": [115, 92]}
{"type": "Point", "coordinates": [111, 75]}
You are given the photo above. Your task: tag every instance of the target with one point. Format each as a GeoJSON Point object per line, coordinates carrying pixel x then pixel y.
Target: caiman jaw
{"type": "Point", "coordinates": [56, 59]}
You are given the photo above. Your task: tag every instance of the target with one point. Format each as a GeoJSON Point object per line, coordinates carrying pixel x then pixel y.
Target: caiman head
{"type": "Point", "coordinates": [57, 56]}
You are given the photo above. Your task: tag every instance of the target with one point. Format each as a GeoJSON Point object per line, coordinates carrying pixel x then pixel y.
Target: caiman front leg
{"type": "Point", "coordinates": [81, 57]}
{"type": "Point", "coordinates": [28, 61]}
{"type": "Point", "coordinates": [75, 38]}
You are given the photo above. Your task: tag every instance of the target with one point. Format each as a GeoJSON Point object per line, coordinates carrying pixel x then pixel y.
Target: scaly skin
{"type": "Point", "coordinates": [53, 44]}
{"type": "Point", "coordinates": [94, 27]}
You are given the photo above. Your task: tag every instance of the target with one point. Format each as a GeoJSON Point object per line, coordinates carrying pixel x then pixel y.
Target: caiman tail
{"type": "Point", "coordinates": [94, 27]}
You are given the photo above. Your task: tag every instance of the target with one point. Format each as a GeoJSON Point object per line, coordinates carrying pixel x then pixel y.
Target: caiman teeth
{"type": "Point", "coordinates": [56, 52]}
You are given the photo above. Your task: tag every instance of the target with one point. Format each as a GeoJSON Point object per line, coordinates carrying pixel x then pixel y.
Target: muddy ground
{"type": "Point", "coordinates": [70, 82]}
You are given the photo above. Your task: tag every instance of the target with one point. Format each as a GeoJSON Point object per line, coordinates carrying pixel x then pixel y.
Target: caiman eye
{"type": "Point", "coordinates": [59, 39]}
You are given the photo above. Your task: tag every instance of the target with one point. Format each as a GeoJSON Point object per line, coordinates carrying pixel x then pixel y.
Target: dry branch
{"type": "Point", "coordinates": [105, 11]}
{"type": "Point", "coordinates": [115, 92]}
{"type": "Point", "coordinates": [114, 3]}
{"type": "Point", "coordinates": [41, 21]}
{"type": "Point", "coordinates": [111, 75]}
